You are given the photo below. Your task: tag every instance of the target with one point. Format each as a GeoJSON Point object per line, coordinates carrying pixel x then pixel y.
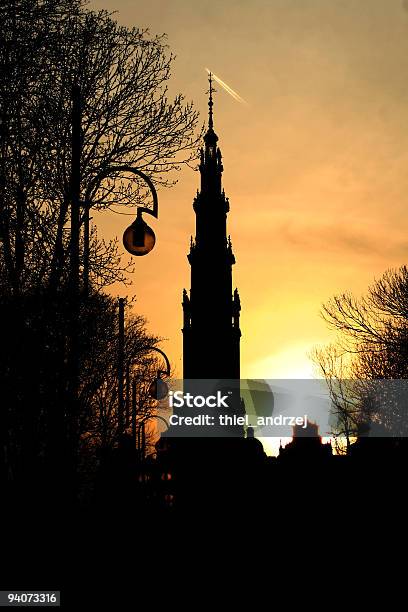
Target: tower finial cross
{"type": "Point", "coordinates": [210, 101]}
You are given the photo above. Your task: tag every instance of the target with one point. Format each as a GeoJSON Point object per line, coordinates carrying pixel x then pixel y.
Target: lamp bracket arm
{"type": "Point", "coordinates": [96, 181]}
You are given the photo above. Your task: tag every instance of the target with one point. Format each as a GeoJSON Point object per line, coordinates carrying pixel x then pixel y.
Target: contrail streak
{"type": "Point", "coordinates": [227, 88]}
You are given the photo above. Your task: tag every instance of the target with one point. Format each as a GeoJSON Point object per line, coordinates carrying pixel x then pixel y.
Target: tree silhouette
{"type": "Point", "coordinates": [332, 363]}
{"type": "Point", "coordinates": [46, 48]}
{"type": "Point", "coordinates": [371, 347]}
{"type": "Point", "coordinates": [33, 382]}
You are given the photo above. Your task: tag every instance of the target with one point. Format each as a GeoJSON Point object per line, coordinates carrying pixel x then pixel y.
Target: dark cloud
{"type": "Point", "coordinates": [405, 5]}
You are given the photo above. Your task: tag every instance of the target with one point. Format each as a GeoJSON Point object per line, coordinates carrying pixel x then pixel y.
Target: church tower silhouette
{"type": "Point", "coordinates": [211, 331]}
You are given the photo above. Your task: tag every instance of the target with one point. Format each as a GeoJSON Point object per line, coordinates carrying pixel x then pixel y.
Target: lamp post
{"type": "Point", "coordinates": [74, 292]}
{"type": "Point", "coordinates": [157, 390]}
{"type": "Point", "coordinates": [138, 239]}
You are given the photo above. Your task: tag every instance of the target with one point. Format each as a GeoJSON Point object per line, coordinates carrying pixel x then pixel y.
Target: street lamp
{"type": "Point", "coordinates": [158, 390]}
{"type": "Point", "coordinates": [138, 238]}
{"type": "Point", "coordinates": [142, 428]}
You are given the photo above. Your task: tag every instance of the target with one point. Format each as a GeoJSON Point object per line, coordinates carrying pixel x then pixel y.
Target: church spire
{"type": "Point", "coordinates": [211, 329]}
{"type": "Point", "coordinates": [210, 156]}
{"type": "Point", "coordinates": [211, 137]}
{"type": "Point", "coordinates": [210, 103]}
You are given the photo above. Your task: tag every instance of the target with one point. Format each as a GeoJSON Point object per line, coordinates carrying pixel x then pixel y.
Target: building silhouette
{"type": "Point", "coordinates": [211, 331]}
{"type": "Point", "coordinates": [306, 444]}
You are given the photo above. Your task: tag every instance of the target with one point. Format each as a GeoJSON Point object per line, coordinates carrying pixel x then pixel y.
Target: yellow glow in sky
{"type": "Point", "coordinates": [315, 166]}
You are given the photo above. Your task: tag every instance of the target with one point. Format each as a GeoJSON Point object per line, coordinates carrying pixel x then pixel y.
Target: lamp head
{"type": "Point", "coordinates": [139, 238]}
{"type": "Point", "coordinates": [158, 389]}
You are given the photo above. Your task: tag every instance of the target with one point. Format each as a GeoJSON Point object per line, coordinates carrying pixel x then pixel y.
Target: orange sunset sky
{"type": "Point", "coordinates": [315, 166]}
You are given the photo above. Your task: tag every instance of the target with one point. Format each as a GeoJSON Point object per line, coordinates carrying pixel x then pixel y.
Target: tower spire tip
{"type": "Point", "coordinates": [210, 101]}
